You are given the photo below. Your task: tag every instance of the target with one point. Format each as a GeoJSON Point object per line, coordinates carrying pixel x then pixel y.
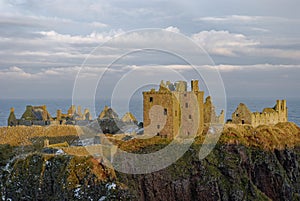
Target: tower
{"type": "Point", "coordinates": [79, 111]}
{"type": "Point", "coordinates": [45, 115]}
{"type": "Point", "coordinates": [284, 110]}
{"type": "Point", "coordinates": [173, 110]}
{"type": "Point", "coordinates": [195, 85]}
{"type": "Point", "coordinates": [58, 115]}
{"type": "Point", "coordinates": [12, 120]}
{"type": "Point", "coordinates": [278, 106]}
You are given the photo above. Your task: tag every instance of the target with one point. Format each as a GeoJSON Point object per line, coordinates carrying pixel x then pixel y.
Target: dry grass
{"type": "Point", "coordinates": [76, 151]}
{"type": "Point", "coordinates": [266, 137]}
{"type": "Point", "coordinates": [24, 135]}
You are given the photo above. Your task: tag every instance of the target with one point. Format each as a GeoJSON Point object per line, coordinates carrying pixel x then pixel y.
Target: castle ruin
{"type": "Point", "coordinates": [177, 107]}
{"type": "Point", "coordinates": [39, 115]}
{"type": "Point", "coordinates": [269, 116]}
{"type": "Point", "coordinates": [169, 111]}
{"type": "Point", "coordinates": [33, 115]}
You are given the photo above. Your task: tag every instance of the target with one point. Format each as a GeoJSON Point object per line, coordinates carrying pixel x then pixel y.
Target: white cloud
{"type": "Point", "coordinates": [57, 49]}
{"type": "Point", "coordinates": [270, 67]}
{"type": "Point", "coordinates": [244, 19]}
{"type": "Point", "coordinates": [15, 72]}
{"type": "Point", "coordinates": [263, 30]}
{"type": "Point", "coordinates": [221, 67]}
{"type": "Point", "coordinates": [231, 18]}
{"type": "Point", "coordinates": [223, 42]}
{"type": "Point", "coordinates": [98, 25]}
{"type": "Point", "coordinates": [94, 37]}
{"type": "Point", "coordinates": [173, 29]}
{"type": "Point", "coordinates": [58, 73]}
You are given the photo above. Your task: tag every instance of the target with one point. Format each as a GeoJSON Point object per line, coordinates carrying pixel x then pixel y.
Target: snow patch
{"type": "Point", "coordinates": [102, 198]}
{"type": "Point", "coordinates": [59, 152]}
{"type": "Point", "coordinates": [77, 193]}
{"type": "Point", "coordinates": [111, 186]}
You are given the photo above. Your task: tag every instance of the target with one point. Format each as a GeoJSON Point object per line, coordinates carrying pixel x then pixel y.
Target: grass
{"type": "Point", "coordinates": [28, 135]}
{"type": "Point", "coordinates": [279, 136]}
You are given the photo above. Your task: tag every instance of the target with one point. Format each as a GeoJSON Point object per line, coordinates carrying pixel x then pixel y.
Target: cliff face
{"type": "Point", "coordinates": [231, 172]}
{"type": "Point", "coordinates": [59, 177]}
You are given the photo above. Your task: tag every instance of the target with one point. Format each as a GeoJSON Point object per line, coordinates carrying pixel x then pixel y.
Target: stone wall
{"type": "Point", "coordinates": [242, 115]}
{"type": "Point", "coordinates": [153, 120]}
{"type": "Point", "coordinates": [174, 107]}
{"type": "Point", "coordinates": [210, 113]}
{"type": "Point", "coordinates": [269, 116]}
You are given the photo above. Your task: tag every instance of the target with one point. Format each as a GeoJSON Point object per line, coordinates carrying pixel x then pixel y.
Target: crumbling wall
{"type": "Point", "coordinates": [269, 116]}
{"type": "Point", "coordinates": [242, 115]}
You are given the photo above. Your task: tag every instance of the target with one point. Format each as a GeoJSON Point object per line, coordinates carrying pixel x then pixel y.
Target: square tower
{"type": "Point", "coordinates": [173, 110]}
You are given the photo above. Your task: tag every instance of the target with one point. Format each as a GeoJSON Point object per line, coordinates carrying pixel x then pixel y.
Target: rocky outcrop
{"type": "Point", "coordinates": [60, 177]}
{"type": "Point", "coordinates": [230, 172]}
{"type": "Point", "coordinates": [108, 113]}
{"type": "Point", "coordinates": [110, 123]}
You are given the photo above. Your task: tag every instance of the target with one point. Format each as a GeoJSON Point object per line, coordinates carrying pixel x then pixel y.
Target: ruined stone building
{"type": "Point", "coordinates": [210, 115]}
{"type": "Point", "coordinates": [39, 115]}
{"type": "Point", "coordinates": [173, 109]}
{"type": "Point", "coordinates": [33, 115]}
{"type": "Point", "coordinates": [269, 116]}
{"type": "Point", "coordinates": [170, 107]}
{"type": "Point", "coordinates": [74, 116]}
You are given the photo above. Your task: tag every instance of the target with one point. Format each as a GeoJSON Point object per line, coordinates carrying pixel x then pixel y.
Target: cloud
{"type": "Point", "coordinates": [94, 37]}
{"type": "Point", "coordinates": [244, 19]}
{"type": "Point", "coordinates": [223, 42]}
{"type": "Point", "coordinates": [53, 49]}
{"type": "Point", "coordinates": [61, 80]}
{"type": "Point", "coordinates": [98, 24]}
{"type": "Point", "coordinates": [231, 18]}
{"type": "Point", "coordinates": [173, 29]}
{"type": "Point", "coordinates": [261, 67]}
{"type": "Point", "coordinates": [15, 72]}
{"type": "Point", "coordinates": [220, 67]}
{"type": "Point", "coordinates": [58, 73]}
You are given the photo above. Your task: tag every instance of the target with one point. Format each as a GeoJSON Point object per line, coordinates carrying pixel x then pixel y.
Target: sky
{"type": "Point", "coordinates": [254, 45]}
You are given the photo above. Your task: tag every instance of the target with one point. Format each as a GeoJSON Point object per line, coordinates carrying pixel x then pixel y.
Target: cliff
{"type": "Point", "coordinates": [230, 172]}
{"type": "Point", "coordinates": [247, 164]}
{"type": "Point", "coordinates": [59, 177]}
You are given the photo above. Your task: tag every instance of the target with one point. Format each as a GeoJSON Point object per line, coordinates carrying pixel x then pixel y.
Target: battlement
{"type": "Point", "coordinates": [178, 86]}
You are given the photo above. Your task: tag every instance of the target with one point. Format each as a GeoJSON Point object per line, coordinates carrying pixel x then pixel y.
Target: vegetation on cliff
{"type": "Point", "coordinates": [248, 163]}
{"type": "Point", "coordinates": [59, 177]}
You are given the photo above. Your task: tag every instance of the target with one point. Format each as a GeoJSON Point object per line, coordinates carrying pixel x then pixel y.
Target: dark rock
{"type": "Point", "coordinates": [230, 172]}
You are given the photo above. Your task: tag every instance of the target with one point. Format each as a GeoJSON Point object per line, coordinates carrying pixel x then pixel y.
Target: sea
{"type": "Point", "coordinates": [135, 106]}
